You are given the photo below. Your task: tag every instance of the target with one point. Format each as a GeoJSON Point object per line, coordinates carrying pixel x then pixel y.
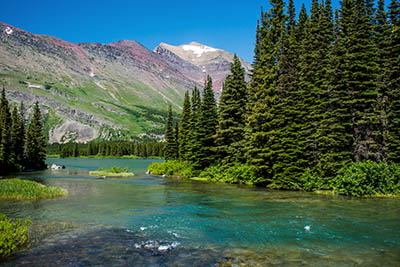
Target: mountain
{"type": "Point", "coordinates": [91, 90]}
{"type": "Point", "coordinates": [196, 61]}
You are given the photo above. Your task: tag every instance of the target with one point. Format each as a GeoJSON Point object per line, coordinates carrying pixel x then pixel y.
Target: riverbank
{"type": "Point", "coordinates": [361, 179]}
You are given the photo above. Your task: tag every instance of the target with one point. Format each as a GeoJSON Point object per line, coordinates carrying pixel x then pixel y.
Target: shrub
{"type": "Point", "coordinates": [13, 235]}
{"type": "Point", "coordinates": [311, 181]}
{"type": "Point", "coordinates": [238, 173]}
{"type": "Point", "coordinates": [368, 178]}
{"type": "Point", "coordinates": [115, 169]}
{"type": "Point", "coordinates": [172, 168]}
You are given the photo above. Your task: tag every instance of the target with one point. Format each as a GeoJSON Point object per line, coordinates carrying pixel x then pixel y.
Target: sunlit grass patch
{"type": "Point", "coordinates": [112, 172]}
{"type": "Point", "coordinates": [26, 189]}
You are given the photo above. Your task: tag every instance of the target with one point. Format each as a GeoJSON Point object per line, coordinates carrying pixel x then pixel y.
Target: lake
{"type": "Point", "coordinates": [148, 220]}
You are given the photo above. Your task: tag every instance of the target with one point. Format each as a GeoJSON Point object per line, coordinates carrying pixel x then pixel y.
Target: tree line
{"type": "Point", "coordinates": [324, 93]}
{"type": "Point", "coordinates": [22, 145]}
{"type": "Point", "coordinates": [108, 149]}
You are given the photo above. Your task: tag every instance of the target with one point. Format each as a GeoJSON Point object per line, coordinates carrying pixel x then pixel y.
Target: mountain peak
{"type": "Point", "coordinates": [197, 60]}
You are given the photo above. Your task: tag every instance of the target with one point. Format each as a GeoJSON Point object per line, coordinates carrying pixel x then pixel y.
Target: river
{"type": "Point", "coordinates": [148, 220]}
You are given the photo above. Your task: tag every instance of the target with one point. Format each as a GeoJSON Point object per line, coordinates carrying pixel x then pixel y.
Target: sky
{"type": "Point", "coordinates": [228, 25]}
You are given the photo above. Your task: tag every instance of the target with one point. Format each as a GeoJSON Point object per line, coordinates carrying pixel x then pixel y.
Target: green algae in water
{"type": "Point", "coordinates": [213, 223]}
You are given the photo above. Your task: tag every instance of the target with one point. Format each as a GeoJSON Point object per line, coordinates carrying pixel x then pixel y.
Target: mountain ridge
{"type": "Point", "coordinates": [87, 91]}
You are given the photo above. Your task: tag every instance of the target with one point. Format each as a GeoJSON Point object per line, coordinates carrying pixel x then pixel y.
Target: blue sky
{"type": "Point", "coordinates": [229, 25]}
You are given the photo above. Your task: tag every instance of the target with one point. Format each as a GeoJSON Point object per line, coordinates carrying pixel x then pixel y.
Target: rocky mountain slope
{"type": "Point", "coordinates": [196, 61]}
{"type": "Point", "coordinates": [93, 90]}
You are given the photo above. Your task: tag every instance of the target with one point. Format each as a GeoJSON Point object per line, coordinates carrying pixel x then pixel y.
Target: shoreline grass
{"type": "Point", "coordinates": [110, 174]}
{"type": "Point", "coordinates": [25, 189]}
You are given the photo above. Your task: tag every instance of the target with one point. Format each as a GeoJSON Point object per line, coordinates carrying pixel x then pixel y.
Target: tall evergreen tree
{"type": "Point", "coordinates": [291, 22]}
{"type": "Point", "coordinates": [392, 80]}
{"type": "Point", "coordinates": [203, 151]}
{"type": "Point", "coordinates": [310, 81]}
{"type": "Point", "coordinates": [176, 132]}
{"type": "Point", "coordinates": [263, 97]}
{"type": "Point", "coordinates": [17, 140]}
{"type": "Point", "coordinates": [289, 163]}
{"type": "Point", "coordinates": [5, 133]}
{"type": "Point", "coordinates": [232, 109]}
{"type": "Point", "coordinates": [194, 126]}
{"type": "Point", "coordinates": [171, 145]}
{"type": "Point", "coordinates": [361, 81]}
{"type": "Point", "coordinates": [184, 138]}
{"type": "Point", "coordinates": [35, 142]}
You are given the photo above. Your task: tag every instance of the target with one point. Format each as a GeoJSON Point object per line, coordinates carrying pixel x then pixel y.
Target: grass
{"type": "Point", "coordinates": [112, 172]}
{"type": "Point", "coordinates": [26, 189]}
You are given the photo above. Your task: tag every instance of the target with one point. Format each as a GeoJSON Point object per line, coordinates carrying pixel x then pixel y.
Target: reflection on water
{"type": "Point", "coordinates": [147, 220]}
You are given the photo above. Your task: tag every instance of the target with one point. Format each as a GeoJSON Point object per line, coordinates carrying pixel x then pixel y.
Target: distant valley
{"type": "Point", "coordinates": [110, 91]}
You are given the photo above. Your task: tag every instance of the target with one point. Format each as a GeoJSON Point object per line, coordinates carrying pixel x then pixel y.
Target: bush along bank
{"type": "Point", "coordinates": [13, 235]}
{"type": "Point", "coordinates": [361, 179]}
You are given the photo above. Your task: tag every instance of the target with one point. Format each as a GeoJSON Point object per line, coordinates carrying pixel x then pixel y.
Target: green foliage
{"type": "Point", "coordinates": [194, 126]}
{"type": "Point", "coordinates": [184, 131]}
{"type": "Point", "coordinates": [109, 149]}
{"type": "Point", "coordinates": [20, 151]}
{"type": "Point", "coordinates": [172, 168]}
{"type": "Point", "coordinates": [368, 178]}
{"type": "Point", "coordinates": [235, 174]}
{"type": "Point", "coordinates": [13, 235]}
{"type": "Point", "coordinates": [310, 181]}
{"type": "Point", "coordinates": [5, 133]}
{"type": "Point", "coordinates": [231, 120]}
{"type": "Point", "coordinates": [171, 146]}
{"type": "Point", "coordinates": [203, 152]}
{"type": "Point", "coordinates": [261, 122]}
{"type": "Point", "coordinates": [35, 143]}
{"type": "Point", "coordinates": [324, 94]}
{"type": "Point", "coordinates": [25, 189]}
{"type": "Point", "coordinates": [113, 171]}
{"type": "Point", "coordinates": [392, 82]}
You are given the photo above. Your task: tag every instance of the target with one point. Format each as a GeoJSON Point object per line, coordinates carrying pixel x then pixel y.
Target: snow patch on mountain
{"type": "Point", "coordinates": [8, 30]}
{"type": "Point", "coordinates": [198, 50]}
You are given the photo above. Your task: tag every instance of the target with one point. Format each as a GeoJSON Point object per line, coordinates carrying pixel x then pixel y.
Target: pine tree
{"type": "Point", "coordinates": [310, 85]}
{"type": "Point", "coordinates": [333, 148]}
{"type": "Point", "coordinates": [194, 126]}
{"type": "Point", "coordinates": [381, 39]}
{"type": "Point", "coordinates": [171, 146]}
{"type": "Point", "coordinates": [263, 94]}
{"type": "Point", "coordinates": [184, 138]}
{"type": "Point", "coordinates": [17, 140]}
{"type": "Point", "coordinates": [176, 132]}
{"type": "Point", "coordinates": [361, 81]}
{"type": "Point", "coordinates": [5, 133]}
{"type": "Point", "coordinates": [35, 143]}
{"type": "Point", "coordinates": [289, 163]}
{"type": "Point", "coordinates": [291, 23]}
{"type": "Point", "coordinates": [392, 81]}
{"type": "Point", "coordinates": [203, 154]}
{"type": "Point", "coordinates": [232, 109]}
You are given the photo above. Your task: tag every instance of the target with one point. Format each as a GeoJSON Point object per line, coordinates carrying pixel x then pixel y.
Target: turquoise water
{"type": "Point", "coordinates": [149, 220]}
